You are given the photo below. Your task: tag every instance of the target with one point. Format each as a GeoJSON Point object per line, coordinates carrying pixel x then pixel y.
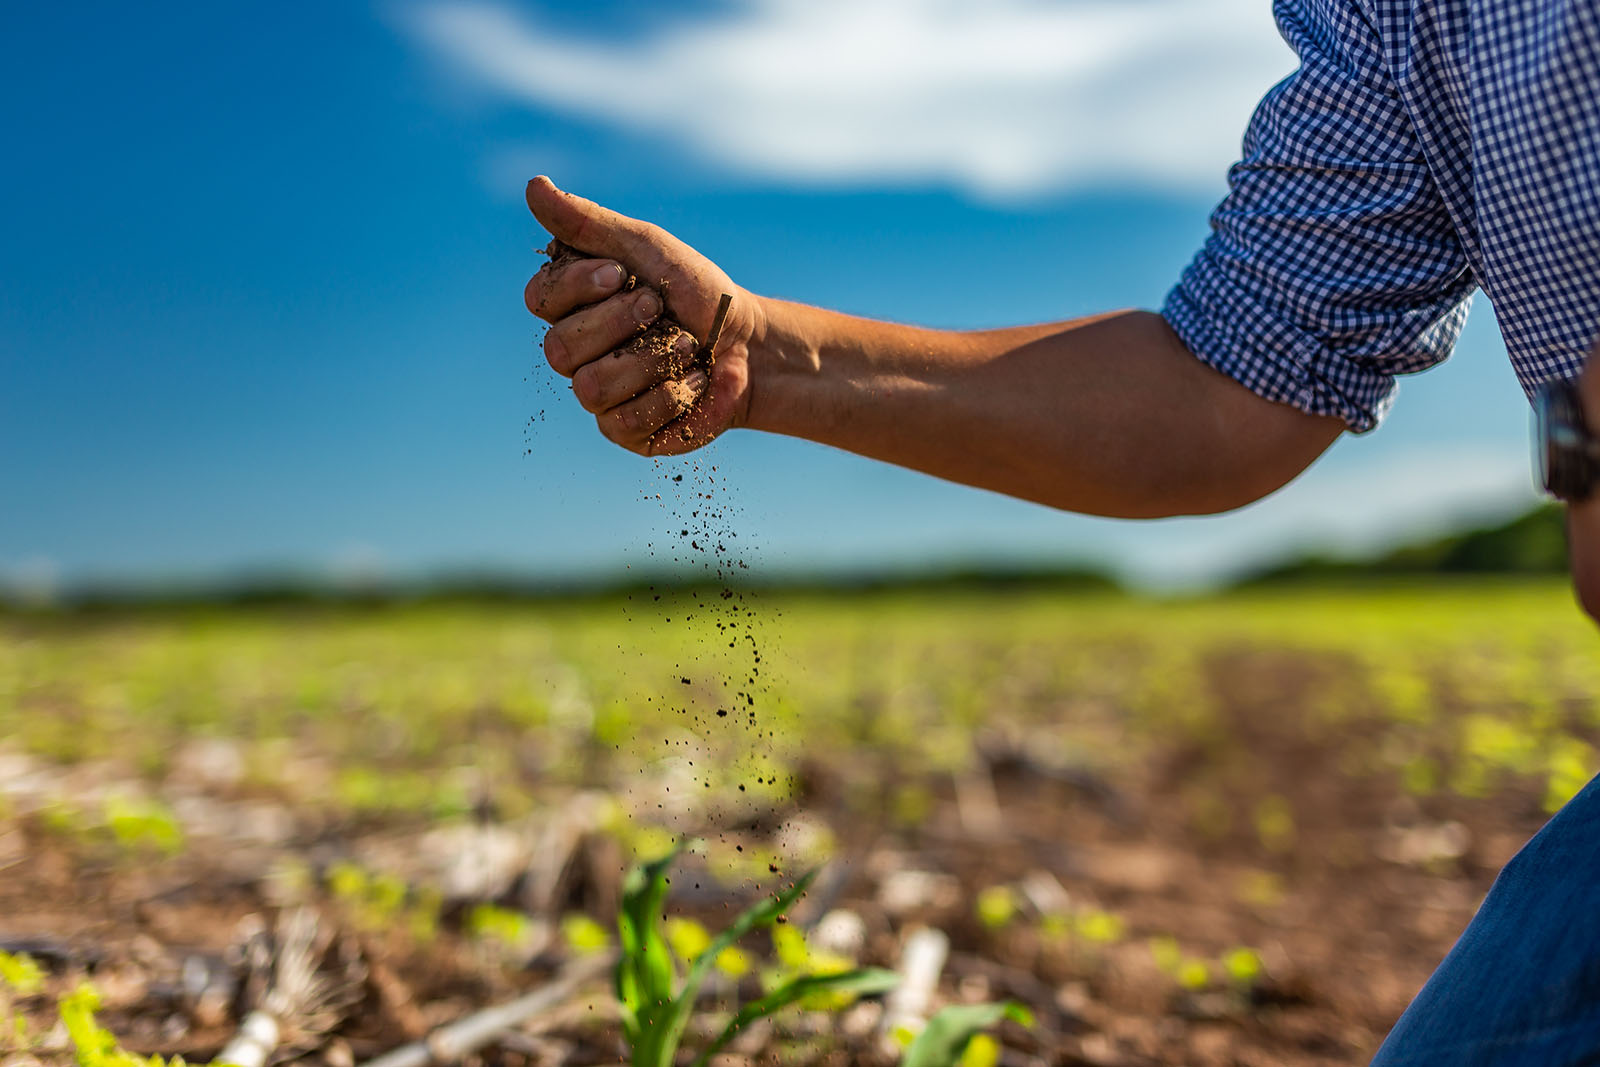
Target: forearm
{"type": "Point", "coordinates": [1107, 415]}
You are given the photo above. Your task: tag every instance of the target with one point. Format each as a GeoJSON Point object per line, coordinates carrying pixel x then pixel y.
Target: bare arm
{"type": "Point", "coordinates": [1107, 415]}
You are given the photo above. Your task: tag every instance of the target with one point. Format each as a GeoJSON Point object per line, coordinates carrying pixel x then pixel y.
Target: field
{"type": "Point", "coordinates": [1239, 829]}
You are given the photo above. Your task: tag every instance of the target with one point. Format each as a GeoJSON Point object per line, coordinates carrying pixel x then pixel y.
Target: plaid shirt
{"type": "Point", "coordinates": [1423, 149]}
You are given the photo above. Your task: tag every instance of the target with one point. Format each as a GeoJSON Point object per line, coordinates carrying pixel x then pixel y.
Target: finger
{"type": "Point", "coordinates": [632, 424]}
{"type": "Point", "coordinates": [591, 332]}
{"type": "Point", "coordinates": [596, 230]}
{"type": "Point", "coordinates": [631, 370]}
{"type": "Point", "coordinates": [557, 289]}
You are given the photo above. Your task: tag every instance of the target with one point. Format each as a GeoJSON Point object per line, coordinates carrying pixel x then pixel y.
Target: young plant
{"type": "Point", "coordinates": [949, 1035]}
{"type": "Point", "coordinates": [19, 977]}
{"type": "Point", "coordinates": [92, 1044]}
{"type": "Point", "coordinates": [656, 1005]}
{"type": "Point", "coordinates": [20, 974]}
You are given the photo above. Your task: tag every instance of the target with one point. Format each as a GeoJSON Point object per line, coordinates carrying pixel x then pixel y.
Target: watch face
{"type": "Point", "coordinates": [1563, 444]}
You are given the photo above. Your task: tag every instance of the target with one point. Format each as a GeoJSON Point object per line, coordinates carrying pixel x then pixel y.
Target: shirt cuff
{"type": "Point", "coordinates": [1226, 328]}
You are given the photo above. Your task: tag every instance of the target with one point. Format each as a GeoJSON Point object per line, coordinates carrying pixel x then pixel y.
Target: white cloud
{"type": "Point", "coordinates": [1000, 98]}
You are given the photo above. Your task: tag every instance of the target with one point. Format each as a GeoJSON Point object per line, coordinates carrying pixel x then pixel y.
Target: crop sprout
{"type": "Point", "coordinates": [657, 1003]}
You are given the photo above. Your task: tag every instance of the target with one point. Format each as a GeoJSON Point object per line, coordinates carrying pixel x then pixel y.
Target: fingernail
{"type": "Point", "coordinates": [695, 380]}
{"type": "Point", "coordinates": [608, 276]}
{"type": "Point", "coordinates": [646, 307]}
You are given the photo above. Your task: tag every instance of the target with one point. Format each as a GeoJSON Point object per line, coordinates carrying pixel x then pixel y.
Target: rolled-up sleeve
{"type": "Point", "coordinates": [1333, 264]}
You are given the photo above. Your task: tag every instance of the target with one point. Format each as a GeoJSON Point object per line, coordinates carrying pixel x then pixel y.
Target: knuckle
{"type": "Point", "coordinates": [648, 232]}
{"type": "Point", "coordinates": [533, 295]}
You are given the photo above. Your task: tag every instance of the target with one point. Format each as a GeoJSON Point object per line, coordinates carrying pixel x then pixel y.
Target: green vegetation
{"type": "Point", "coordinates": [425, 712]}
{"type": "Point", "coordinates": [1532, 543]}
{"type": "Point", "coordinates": [1253, 730]}
{"type": "Point", "coordinates": [950, 1036]}
{"type": "Point", "coordinates": [657, 1003]}
{"type": "Point", "coordinates": [92, 1044]}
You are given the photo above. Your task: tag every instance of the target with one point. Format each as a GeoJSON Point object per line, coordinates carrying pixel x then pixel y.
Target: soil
{"type": "Point", "coordinates": [660, 338]}
{"type": "Point", "coordinates": [1348, 922]}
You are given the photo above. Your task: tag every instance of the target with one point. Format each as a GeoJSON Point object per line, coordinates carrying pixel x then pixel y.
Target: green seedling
{"type": "Point", "coordinates": [508, 929]}
{"type": "Point", "coordinates": [656, 1004]}
{"type": "Point", "coordinates": [689, 939]}
{"type": "Point", "coordinates": [92, 1044]}
{"type": "Point", "coordinates": [583, 935]}
{"type": "Point", "coordinates": [376, 901]}
{"type": "Point", "coordinates": [1100, 927]}
{"type": "Point", "coordinates": [997, 906]}
{"type": "Point", "coordinates": [21, 974]}
{"type": "Point", "coordinates": [19, 977]}
{"type": "Point", "coordinates": [1243, 966]}
{"type": "Point", "coordinates": [948, 1038]}
{"type": "Point", "coordinates": [143, 825]}
{"type": "Point", "coordinates": [982, 1051]}
{"type": "Point", "coordinates": [1193, 974]}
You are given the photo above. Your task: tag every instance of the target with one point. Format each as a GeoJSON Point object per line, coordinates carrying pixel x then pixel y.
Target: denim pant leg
{"type": "Point", "coordinates": [1522, 986]}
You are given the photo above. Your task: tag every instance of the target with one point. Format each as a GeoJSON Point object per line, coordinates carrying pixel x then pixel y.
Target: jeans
{"type": "Point", "coordinates": [1522, 985]}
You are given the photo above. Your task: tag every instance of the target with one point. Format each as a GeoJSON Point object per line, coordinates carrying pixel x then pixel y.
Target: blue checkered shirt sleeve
{"type": "Point", "coordinates": [1332, 264]}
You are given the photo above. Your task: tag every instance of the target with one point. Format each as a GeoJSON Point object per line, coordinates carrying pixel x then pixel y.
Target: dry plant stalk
{"type": "Point", "coordinates": [461, 1038]}
{"type": "Point", "coordinates": [300, 983]}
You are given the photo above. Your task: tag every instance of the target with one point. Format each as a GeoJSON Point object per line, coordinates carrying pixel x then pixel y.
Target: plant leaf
{"type": "Point", "coordinates": [945, 1038]}
{"type": "Point", "coordinates": [863, 982]}
{"type": "Point", "coordinates": [645, 974]}
{"type": "Point", "coordinates": [762, 913]}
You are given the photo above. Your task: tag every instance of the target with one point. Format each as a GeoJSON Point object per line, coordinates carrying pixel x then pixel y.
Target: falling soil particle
{"type": "Point", "coordinates": [704, 529]}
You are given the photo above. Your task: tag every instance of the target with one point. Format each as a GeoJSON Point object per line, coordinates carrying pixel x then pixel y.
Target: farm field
{"type": "Point", "coordinates": [1238, 829]}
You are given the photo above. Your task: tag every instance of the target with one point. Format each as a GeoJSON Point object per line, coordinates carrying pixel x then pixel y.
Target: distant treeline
{"type": "Point", "coordinates": [1534, 543]}
{"type": "Point", "coordinates": [268, 592]}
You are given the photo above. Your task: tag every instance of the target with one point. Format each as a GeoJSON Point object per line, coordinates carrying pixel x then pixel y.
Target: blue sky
{"type": "Point", "coordinates": [260, 285]}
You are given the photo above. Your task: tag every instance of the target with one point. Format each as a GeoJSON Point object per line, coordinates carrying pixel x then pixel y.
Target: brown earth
{"type": "Point", "coordinates": [660, 338]}
{"type": "Point", "coordinates": [1348, 917]}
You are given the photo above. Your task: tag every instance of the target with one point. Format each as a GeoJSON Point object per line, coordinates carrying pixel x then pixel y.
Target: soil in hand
{"type": "Point", "coordinates": [663, 339]}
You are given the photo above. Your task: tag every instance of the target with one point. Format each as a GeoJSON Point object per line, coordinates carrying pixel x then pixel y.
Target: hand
{"type": "Point", "coordinates": [648, 403]}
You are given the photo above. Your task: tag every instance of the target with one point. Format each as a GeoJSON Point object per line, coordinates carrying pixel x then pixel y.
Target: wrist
{"type": "Point", "coordinates": [785, 354]}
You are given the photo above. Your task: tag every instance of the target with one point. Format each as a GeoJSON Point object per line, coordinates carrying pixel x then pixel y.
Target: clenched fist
{"type": "Point", "coordinates": [615, 309]}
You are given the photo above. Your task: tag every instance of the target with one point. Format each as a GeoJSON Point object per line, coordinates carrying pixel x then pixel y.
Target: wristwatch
{"type": "Point", "coordinates": [1566, 452]}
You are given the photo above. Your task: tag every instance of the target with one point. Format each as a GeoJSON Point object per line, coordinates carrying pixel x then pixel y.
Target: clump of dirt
{"type": "Point", "coordinates": [665, 338]}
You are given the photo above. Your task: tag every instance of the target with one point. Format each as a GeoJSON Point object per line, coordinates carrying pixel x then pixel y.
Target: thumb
{"type": "Point", "coordinates": [583, 224]}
